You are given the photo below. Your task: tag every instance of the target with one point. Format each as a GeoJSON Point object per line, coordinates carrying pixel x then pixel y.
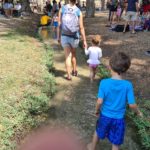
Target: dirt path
{"type": "Point", "coordinates": [74, 102]}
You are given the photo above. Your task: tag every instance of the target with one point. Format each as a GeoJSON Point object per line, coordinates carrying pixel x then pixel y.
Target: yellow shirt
{"type": "Point", "coordinates": [44, 20]}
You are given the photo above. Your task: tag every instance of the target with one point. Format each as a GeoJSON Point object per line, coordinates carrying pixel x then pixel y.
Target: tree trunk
{"type": "Point", "coordinates": [102, 4]}
{"type": "Point", "coordinates": [26, 6]}
{"type": "Point", "coordinates": [90, 8]}
{"type": "Point", "coordinates": [66, 1]}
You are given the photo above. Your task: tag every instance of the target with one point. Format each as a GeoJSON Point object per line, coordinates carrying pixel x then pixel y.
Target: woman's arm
{"type": "Point", "coordinates": [59, 26]}
{"type": "Point", "coordinates": [82, 30]}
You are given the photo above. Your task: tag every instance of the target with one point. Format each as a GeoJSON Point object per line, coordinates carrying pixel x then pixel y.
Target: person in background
{"type": "Point", "coordinates": [131, 14]}
{"type": "Point", "coordinates": [7, 6]}
{"type": "Point", "coordinates": [113, 10]}
{"type": "Point", "coordinates": [113, 96]}
{"type": "Point", "coordinates": [118, 14]}
{"type": "Point", "coordinates": [112, 6]}
{"type": "Point", "coordinates": [48, 8]}
{"type": "Point", "coordinates": [45, 20]}
{"type": "Point", "coordinates": [54, 8]}
{"type": "Point", "coordinates": [147, 22]}
{"type": "Point", "coordinates": [55, 24]}
{"type": "Point", "coordinates": [16, 10]}
{"type": "Point", "coordinates": [146, 6]}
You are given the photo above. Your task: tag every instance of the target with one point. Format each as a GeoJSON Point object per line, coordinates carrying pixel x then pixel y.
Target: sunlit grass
{"type": "Point", "coordinates": [22, 72]}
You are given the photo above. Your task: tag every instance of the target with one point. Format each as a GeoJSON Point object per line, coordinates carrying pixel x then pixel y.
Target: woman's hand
{"type": "Point", "coordinates": [85, 45]}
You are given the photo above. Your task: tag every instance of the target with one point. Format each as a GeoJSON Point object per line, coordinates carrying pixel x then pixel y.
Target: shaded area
{"type": "Point", "coordinates": [26, 25]}
{"type": "Point", "coordinates": [74, 103]}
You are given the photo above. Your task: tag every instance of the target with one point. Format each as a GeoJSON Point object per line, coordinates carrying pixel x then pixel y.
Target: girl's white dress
{"type": "Point", "coordinates": [95, 53]}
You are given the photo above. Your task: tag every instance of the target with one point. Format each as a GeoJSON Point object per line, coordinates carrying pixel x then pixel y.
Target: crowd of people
{"type": "Point", "coordinates": [10, 9]}
{"type": "Point", "coordinates": [136, 14]}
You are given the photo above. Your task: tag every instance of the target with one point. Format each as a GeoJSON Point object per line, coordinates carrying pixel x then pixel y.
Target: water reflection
{"type": "Point", "coordinates": [46, 33]}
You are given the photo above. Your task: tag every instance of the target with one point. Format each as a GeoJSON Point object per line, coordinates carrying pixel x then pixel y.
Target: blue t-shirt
{"type": "Point", "coordinates": [132, 5]}
{"type": "Point", "coordinates": [115, 94]}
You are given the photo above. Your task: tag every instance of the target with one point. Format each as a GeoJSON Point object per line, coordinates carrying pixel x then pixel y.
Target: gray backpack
{"type": "Point", "coordinates": [70, 20]}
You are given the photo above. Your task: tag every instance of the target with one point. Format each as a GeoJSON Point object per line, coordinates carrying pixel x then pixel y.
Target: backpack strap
{"type": "Point", "coordinates": [78, 11]}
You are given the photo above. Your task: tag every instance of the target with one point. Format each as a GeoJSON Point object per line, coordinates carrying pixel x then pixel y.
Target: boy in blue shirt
{"type": "Point", "coordinates": [113, 96]}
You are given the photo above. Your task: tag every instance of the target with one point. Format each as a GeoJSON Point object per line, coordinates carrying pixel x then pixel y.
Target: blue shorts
{"type": "Point", "coordinates": [69, 42]}
{"type": "Point", "coordinates": [113, 129]}
{"type": "Point", "coordinates": [55, 24]}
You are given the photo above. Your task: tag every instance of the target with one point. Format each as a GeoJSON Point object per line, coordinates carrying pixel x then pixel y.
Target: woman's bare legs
{"type": "Point", "coordinates": [73, 59]}
{"type": "Point", "coordinates": [92, 145]}
{"type": "Point", "coordinates": [68, 57]}
{"type": "Point", "coordinates": [115, 147]}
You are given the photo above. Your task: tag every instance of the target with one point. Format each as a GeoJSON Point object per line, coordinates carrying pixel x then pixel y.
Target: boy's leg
{"type": "Point", "coordinates": [92, 145]}
{"type": "Point", "coordinates": [115, 147]}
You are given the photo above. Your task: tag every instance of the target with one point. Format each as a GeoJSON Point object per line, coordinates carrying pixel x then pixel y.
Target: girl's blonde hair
{"type": "Point", "coordinates": [96, 39]}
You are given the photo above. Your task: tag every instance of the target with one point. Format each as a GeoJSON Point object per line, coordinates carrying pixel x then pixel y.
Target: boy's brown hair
{"type": "Point", "coordinates": [96, 39]}
{"type": "Point", "coordinates": [120, 62]}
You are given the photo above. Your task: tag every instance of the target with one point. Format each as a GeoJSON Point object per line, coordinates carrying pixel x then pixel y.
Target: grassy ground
{"type": "Point", "coordinates": [26, 85]}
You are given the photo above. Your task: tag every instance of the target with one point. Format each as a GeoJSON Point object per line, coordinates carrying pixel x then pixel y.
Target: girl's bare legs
{"type": "Point", "coordinates": [115, 147]}
{"type": "Point", "coordinates": [94, 72]}
{"type": "Point", "coordinates": [91, 74]}
{"type": "Point", "coordinates": [68, 56]}
{"type": "Point", "coordinates": [92, 145]}
{"type": "Point", "coordinates": [73, 59]}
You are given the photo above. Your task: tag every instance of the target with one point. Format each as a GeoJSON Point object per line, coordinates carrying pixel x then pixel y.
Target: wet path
{"type": "Point", "coordinates": [74, 102]}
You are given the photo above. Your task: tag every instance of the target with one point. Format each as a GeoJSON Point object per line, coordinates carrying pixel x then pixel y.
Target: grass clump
{"type": "Point", "coordinates": [103, 71]}
{"type": "Point", "coordinates": [142, 124]}
{"type": "Point", "coordinates": [27, 85]}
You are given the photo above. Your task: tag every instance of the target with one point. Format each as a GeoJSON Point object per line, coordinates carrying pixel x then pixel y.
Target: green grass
{"type": "Point", "coordinates": [27, 85]}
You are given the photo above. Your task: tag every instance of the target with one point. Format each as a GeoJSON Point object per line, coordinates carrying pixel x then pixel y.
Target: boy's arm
{"type": "Point", "coordinates": [131, 100]}
{"type": "Point", "coordinates": [98, 105]}
{"type": "Point", "coordinates": [135, 108]}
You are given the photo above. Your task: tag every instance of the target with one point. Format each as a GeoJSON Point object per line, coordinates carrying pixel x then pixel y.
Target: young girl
{"type": "Point", "coordinates": [55, 24]}
{"type": "Point", "coordinates": [118, 12]}
{"type": "Point", "coordinates": [95, 53]}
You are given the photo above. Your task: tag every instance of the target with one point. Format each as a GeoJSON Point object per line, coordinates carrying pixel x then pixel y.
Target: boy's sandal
{"type": "Point", "coordinates": [67, 78]}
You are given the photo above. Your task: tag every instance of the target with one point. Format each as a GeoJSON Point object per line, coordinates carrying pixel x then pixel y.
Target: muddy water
{"type": "Point", "coordinates": [74, 102]}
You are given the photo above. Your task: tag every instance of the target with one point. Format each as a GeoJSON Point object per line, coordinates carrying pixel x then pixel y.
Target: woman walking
{"type": "Point", "coordinates": [70, 23]}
